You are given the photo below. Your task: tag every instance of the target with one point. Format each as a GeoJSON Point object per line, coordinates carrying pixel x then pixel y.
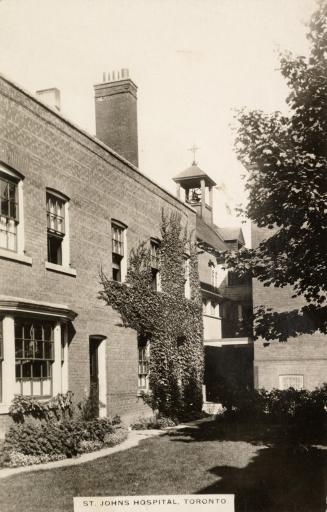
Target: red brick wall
{"type": "Point", "coordinates": [305, 355]}
{"type": "Point", "coordinates": [50, 152]}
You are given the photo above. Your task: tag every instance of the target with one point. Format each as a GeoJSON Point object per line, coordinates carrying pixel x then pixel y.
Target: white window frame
{"type": "Point", "coordinates": [154, 242]}
{"type": "Point", "coordinates": [146, 348]}
{"type": "Point", "coordinates": [187, 284]}
{"type": "Point", "coordinates": [65, 266]}
{"type": "Point", "coordinates": [59, 368]}
{"type": "Point", "coordinates": [19, 253]}
{"type": "Point", "coordinates": [123, 260]}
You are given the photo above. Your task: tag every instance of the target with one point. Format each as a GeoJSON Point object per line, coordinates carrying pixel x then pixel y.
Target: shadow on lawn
{"type": "Point", "coordinates": [283, 475]}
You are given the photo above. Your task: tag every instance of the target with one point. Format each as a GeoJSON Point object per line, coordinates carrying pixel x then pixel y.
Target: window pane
{"type": "Point", "coordinates": [39, 349]}
{"type": "Point", "coordinates": [18, 348]}
{"type": "Point", "coordinates": [26, 369]}
{"type": "Point", "coordinates": [37, 373]}
{"type": "Point", "coordinates": [54, 249]}
{"type": "Point", "coordinates": [48, 352]}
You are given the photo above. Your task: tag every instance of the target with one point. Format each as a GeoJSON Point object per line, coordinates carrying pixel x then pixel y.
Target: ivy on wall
{"type": "Point", "coordinates": [171, 323]}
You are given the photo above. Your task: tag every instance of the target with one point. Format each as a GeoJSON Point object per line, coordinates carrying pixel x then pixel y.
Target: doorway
{"type": "Point", "coordinates": [98, 376]}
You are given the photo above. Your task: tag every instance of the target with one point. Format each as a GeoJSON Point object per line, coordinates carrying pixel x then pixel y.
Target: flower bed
{"type": "Point", "coordinates": [54, 430]}
{"type": "Point", "coordinates": [35, 443]}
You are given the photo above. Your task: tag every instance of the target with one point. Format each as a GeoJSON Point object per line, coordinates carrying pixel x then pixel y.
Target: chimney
{"type": "Point", "coordinates": [50, 96]}
{"type": "Point", "coordinates": [116, 114]}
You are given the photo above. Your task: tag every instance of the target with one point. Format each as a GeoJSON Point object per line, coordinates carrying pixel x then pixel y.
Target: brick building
{"type": "Point", "coordinates": [227, 300]}
{"type": "Point", "coordinates": [70, 206]}
{"type": "Point", "coordinates": [300, 362]}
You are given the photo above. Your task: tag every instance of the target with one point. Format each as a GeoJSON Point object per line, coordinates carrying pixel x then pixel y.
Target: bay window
{"type": "Point", "coordinates": [34, 356]}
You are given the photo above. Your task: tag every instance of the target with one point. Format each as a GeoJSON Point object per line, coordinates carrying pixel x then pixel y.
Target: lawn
{"type": "Point", "coordinates": [265, 475]}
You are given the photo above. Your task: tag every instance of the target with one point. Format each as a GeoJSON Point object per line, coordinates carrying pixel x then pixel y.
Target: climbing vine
{"type": "Point", "coordinates": [171, 323]}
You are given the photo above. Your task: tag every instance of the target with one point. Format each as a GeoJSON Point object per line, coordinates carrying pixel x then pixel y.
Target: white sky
{"type": "Point", "coordinates": [194, 61]}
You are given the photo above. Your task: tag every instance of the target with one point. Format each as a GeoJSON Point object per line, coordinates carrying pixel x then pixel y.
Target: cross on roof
{"type": "Point", "coordinates": [194, 149]}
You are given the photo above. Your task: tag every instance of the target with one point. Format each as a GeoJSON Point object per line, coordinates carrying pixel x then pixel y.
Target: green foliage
{"type": "Point", "coordinates": [59, 407]}
{"type": "Point", "coordinates": [292, 410]}
{"type": "Point", "coordinates": [172, 323]}
{"type": "Point", "coordinates": [116, 437]}
{"type": "Point", "coordinates": [285, 158]}
{"type": "Point", "coordinates": [154, 423]}
{"type": "Point", "coordinates": [32, 443]}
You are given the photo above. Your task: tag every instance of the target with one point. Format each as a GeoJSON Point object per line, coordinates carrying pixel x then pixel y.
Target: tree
{"type": "Point", "coordinates": [285, 157]}
{"type": "Point", "coordinates": [171, 323]}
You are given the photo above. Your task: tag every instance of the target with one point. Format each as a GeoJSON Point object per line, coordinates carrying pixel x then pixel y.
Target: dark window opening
{"type": "Point", "coordinates": [116, 267]}
{"type": "Point", "coordinates": [55, 249]}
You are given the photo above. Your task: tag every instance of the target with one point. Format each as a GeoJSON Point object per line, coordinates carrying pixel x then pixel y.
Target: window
{"type": "Point", "coordinates": [187, 284]}
{"type": "Point", "coordinates": [155, 263]}
{"type": "Point", "coordinates": [118, 250]}
{"type": "Point", "coordinates": [56, 228]}
{"type": "Point", "coordinates": [34, 355]}
{"type": "Point", "coordinates": [8, 212]}
{"type": "Point", "coordinates": [143, 365]}
{"type": "Point", "coordinates": [216, 276]}
{"type": "Point", "coordinates": [290, 381]}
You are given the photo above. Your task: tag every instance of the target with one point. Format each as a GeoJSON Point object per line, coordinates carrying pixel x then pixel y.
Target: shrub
{"type": "Point", "coordinates": [298, 411]}
{"type": "Point", "coordinates": [59, 407]}
{"type": "Point", "coordinates": [33, 443]}
{"type": "Point", "coordinates": [155, 423]}
{"type": "Point", "coordinates": [90, 446]}
{"type": "Point", "coordinates": [163, 423]}
{"type": "Point", "coordinates": [15, 459]}
{"type": "Point", "coordinates": [116, 437]}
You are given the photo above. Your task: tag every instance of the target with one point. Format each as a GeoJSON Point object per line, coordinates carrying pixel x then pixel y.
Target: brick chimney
{"type": "Point", "coordinates": [116, 114]}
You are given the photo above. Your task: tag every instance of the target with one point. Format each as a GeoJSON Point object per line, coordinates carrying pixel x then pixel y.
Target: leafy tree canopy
{"type": "Point", "coordinates": [285, 157]}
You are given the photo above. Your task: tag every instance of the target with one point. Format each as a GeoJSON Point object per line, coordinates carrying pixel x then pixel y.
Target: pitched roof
{"type": "Point", "coordinates": [229, 234]}
{"type": "Point", "coordinates": [192, 173]}
{"type": "Point", "coordinates": [207, 234]}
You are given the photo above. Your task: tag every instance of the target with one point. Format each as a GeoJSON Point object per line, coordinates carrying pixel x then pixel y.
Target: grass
{"type": "Point", "coordinates": [265, 476]}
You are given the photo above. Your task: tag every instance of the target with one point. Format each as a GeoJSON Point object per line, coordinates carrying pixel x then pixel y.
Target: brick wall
{"type": "Point", "coordinates": [50, 152]}
{"type": "Point", "coordinates": [305, 355]}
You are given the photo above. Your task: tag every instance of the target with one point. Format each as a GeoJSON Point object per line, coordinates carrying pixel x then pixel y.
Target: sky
{"type": "Point", "coordinates": [194, 61]}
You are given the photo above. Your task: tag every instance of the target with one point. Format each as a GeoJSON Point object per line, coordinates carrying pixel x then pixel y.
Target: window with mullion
{"type": "Point", "coordinates": [55, 228]}
{"type": "Point", "coordinates": [34, 354]}
{"type": "Point", "coordinates": [117, 240]}
{"type": "Point", "coordinates": [8, 214]}
{"type": "Point", "coordinates": [154, 252]}
{"type": "Point", "coordinates": [143, 367]}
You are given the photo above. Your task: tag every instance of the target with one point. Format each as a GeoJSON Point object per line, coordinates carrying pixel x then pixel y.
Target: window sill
{"type": "Point", "coordinates": [60, 269]}
{"type": "Point", "coordinates": [15, 256]}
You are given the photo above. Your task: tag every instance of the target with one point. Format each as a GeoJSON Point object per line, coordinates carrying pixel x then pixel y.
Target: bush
{"type": "Point", "coordinates": [59, 407]}
{"type": "Point", "coordinates": [16, 459]}
{"type": "Point", "coordinates": [90, 446]}
{"type": "Point", "coordinates": [154, 423]}
{"type": "Point", "coordinates": [300, 411]}
{"type": "Point", "coordinates": [116, 437]}
{"type": "Point", "coordinates": [36, 442]}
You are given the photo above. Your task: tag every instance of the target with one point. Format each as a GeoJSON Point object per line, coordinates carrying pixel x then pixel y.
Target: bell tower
{"type": "Point", "coordinates": [198, 191]}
